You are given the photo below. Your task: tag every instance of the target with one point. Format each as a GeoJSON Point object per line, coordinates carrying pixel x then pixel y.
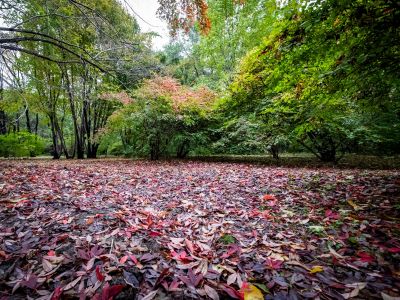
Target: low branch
{"type": "Point", "coordinates": [15, 48]}
{"type": "Point", "coordinates": [35, 39]}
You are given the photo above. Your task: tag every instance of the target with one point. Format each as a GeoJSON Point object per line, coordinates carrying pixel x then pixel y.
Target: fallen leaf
{"type": "Point", "coordinates": [150, 295]}
{"type": "Point", "coordinates": [358, 286]}
{"type": "Point", "coordinates": [316, 269]}
{"type": "Point", "coordinates": [71, 284]}
{"type": "Point", "coordinates": [251, 292]}
{"type": "Point", "coordinates": [268, 197]}
{"type": "Point", "coordinates": [211, 292]}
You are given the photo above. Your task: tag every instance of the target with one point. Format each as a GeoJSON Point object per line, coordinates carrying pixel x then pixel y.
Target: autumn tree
{"type": "Point", "coordinates": [163, 119]}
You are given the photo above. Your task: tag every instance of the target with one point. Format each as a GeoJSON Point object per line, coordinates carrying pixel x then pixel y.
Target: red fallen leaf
{"type": "Point", "coordinates": [135, 261]}
{"type": "Point", "coordinates": [332, 215]}
{"type": "Point", "coordinates": [173, 287]}
{"type": "Point", "coordinates": [166, 272]}
{"type": "Point", "coordinates": [273, 263]}
{"type": "Point", "coordinates": [62, 237]}
{"type": "Point", "coordinates": [123, 259]}
{"type": "Point", "coordinates": [155, 233]}
{"type": "Point", "coordinates": [99, 276]}
{"type": "Point", "coordinates": [337, 285]}
{"type": "Point", "coordinates": [393, 250]}
{"type": "Point", "coordinates": [268, 197]}
{"type": "Point", "coordinates": [149, 221]}
{"type": "Point", "coordinates": [365, 257]}
{"type": "Point", "coordinates": [192, 280]}
{"type": "Point", "coordinates": [232, 292]}
{"type": "Point", "coordinates": [51, 253]}
{"type": "Point", "coordinates": [57, 294]}
{"type": "Point", "coordinates": [189, 245]}
{"type": "Point", "coordinates": [133, 258]}
{"type": "Point", "coordinates": [89, 221]}
{"type": "Point", "coordinates": [181, 256]}
{"type": "Point", "coordinates": [231, 250]}
{"type": "Point", "coordinates": [108, 292]}
{"type": "Point", "coordinates": [265, 214]}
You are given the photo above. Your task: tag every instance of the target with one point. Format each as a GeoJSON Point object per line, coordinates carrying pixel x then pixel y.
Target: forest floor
{"type": "Point", "coordinates": [186, 230]}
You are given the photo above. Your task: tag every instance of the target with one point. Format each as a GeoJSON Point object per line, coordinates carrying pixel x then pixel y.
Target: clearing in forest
{"type": "Point", "coordinates": [188, 230]}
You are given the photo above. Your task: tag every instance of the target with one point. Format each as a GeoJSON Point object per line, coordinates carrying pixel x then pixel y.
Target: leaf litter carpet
{"type": "Point", "coordinates": [121, 229]}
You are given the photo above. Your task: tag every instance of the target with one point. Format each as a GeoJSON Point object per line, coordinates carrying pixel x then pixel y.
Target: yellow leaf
{"type": "Point", "coordinates": [353, 205]}
{"type": "Point", "coordinates": [251, 292]}
{"type": "Point", "coordinates": [316, 269]}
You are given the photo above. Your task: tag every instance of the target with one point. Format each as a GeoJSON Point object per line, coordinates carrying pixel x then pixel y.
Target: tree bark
{"type": "Point", "coordinates": [28, 119]}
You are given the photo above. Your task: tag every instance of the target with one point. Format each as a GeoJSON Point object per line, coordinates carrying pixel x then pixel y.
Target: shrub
{"type": "Point", "coordinates": [21, 144]}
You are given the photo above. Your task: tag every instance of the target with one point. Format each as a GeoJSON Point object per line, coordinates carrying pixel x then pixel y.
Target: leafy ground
{"type": "Point", "coordinates": [181, 230]}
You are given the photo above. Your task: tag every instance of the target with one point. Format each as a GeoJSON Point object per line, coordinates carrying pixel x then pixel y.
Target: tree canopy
{"type": "Point", "coordinates": [310, 76]}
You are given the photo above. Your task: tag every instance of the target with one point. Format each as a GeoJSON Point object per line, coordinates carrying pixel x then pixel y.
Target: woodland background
{"type": "Point", "coordinates": [79, 79]}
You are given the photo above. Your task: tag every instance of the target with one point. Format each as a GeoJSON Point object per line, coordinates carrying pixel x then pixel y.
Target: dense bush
{"type": "Point", "coordinates": [21, 144]}
{"type": "Point", "coordinates": [165, 119]}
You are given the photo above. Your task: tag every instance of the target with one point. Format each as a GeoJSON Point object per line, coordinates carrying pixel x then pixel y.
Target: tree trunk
{"type": "Point", "coordinates": [3, 122]}
{"type": "Point", "coordinates": [36, 123]}
{"type": "Point", "coordinates": [183, 149]}
{"type": "Point", "coordinates": [28, 119]}
{"type": "Point", "coordinates": [55, 151]}
{"type": "Point", "coordinates": [79, 145]}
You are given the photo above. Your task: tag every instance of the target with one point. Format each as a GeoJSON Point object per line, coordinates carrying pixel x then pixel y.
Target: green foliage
{"type": "Point", "coordinates": [244, 135]}
{"type": "Point", "coordinates": [315, 79]}
{"type": "Point", "coordinates": [21, 144]}
{"type": "Point", "coordinates": [227, 239]}
{"type": "Point", "coordinates": [165, 119]}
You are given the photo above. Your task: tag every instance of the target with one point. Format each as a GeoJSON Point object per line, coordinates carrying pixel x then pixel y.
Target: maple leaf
{"type": "Point", "coordinates": [268, 197]}
{"type": "Point", "coordinates": [251, 292]}
{"type": "Point", "coordinates": [273, 263]}
{"type": "Point", "coordinates": [172, 287]}
{"type": "Point", "coordinates": [108, 292]}
{"type": "Point", "coordinates": [182, 256]}
{"type": "Point", "coordinates": [232, 249]}
{"type": "Point", "coordinates": [99, 276]}
{"type": "Point", "coordinates": [365, 257]}
{"type": "Point", "coordinates": [155, 233]}
{"type": "Point", "coordinates": [191, 280]}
